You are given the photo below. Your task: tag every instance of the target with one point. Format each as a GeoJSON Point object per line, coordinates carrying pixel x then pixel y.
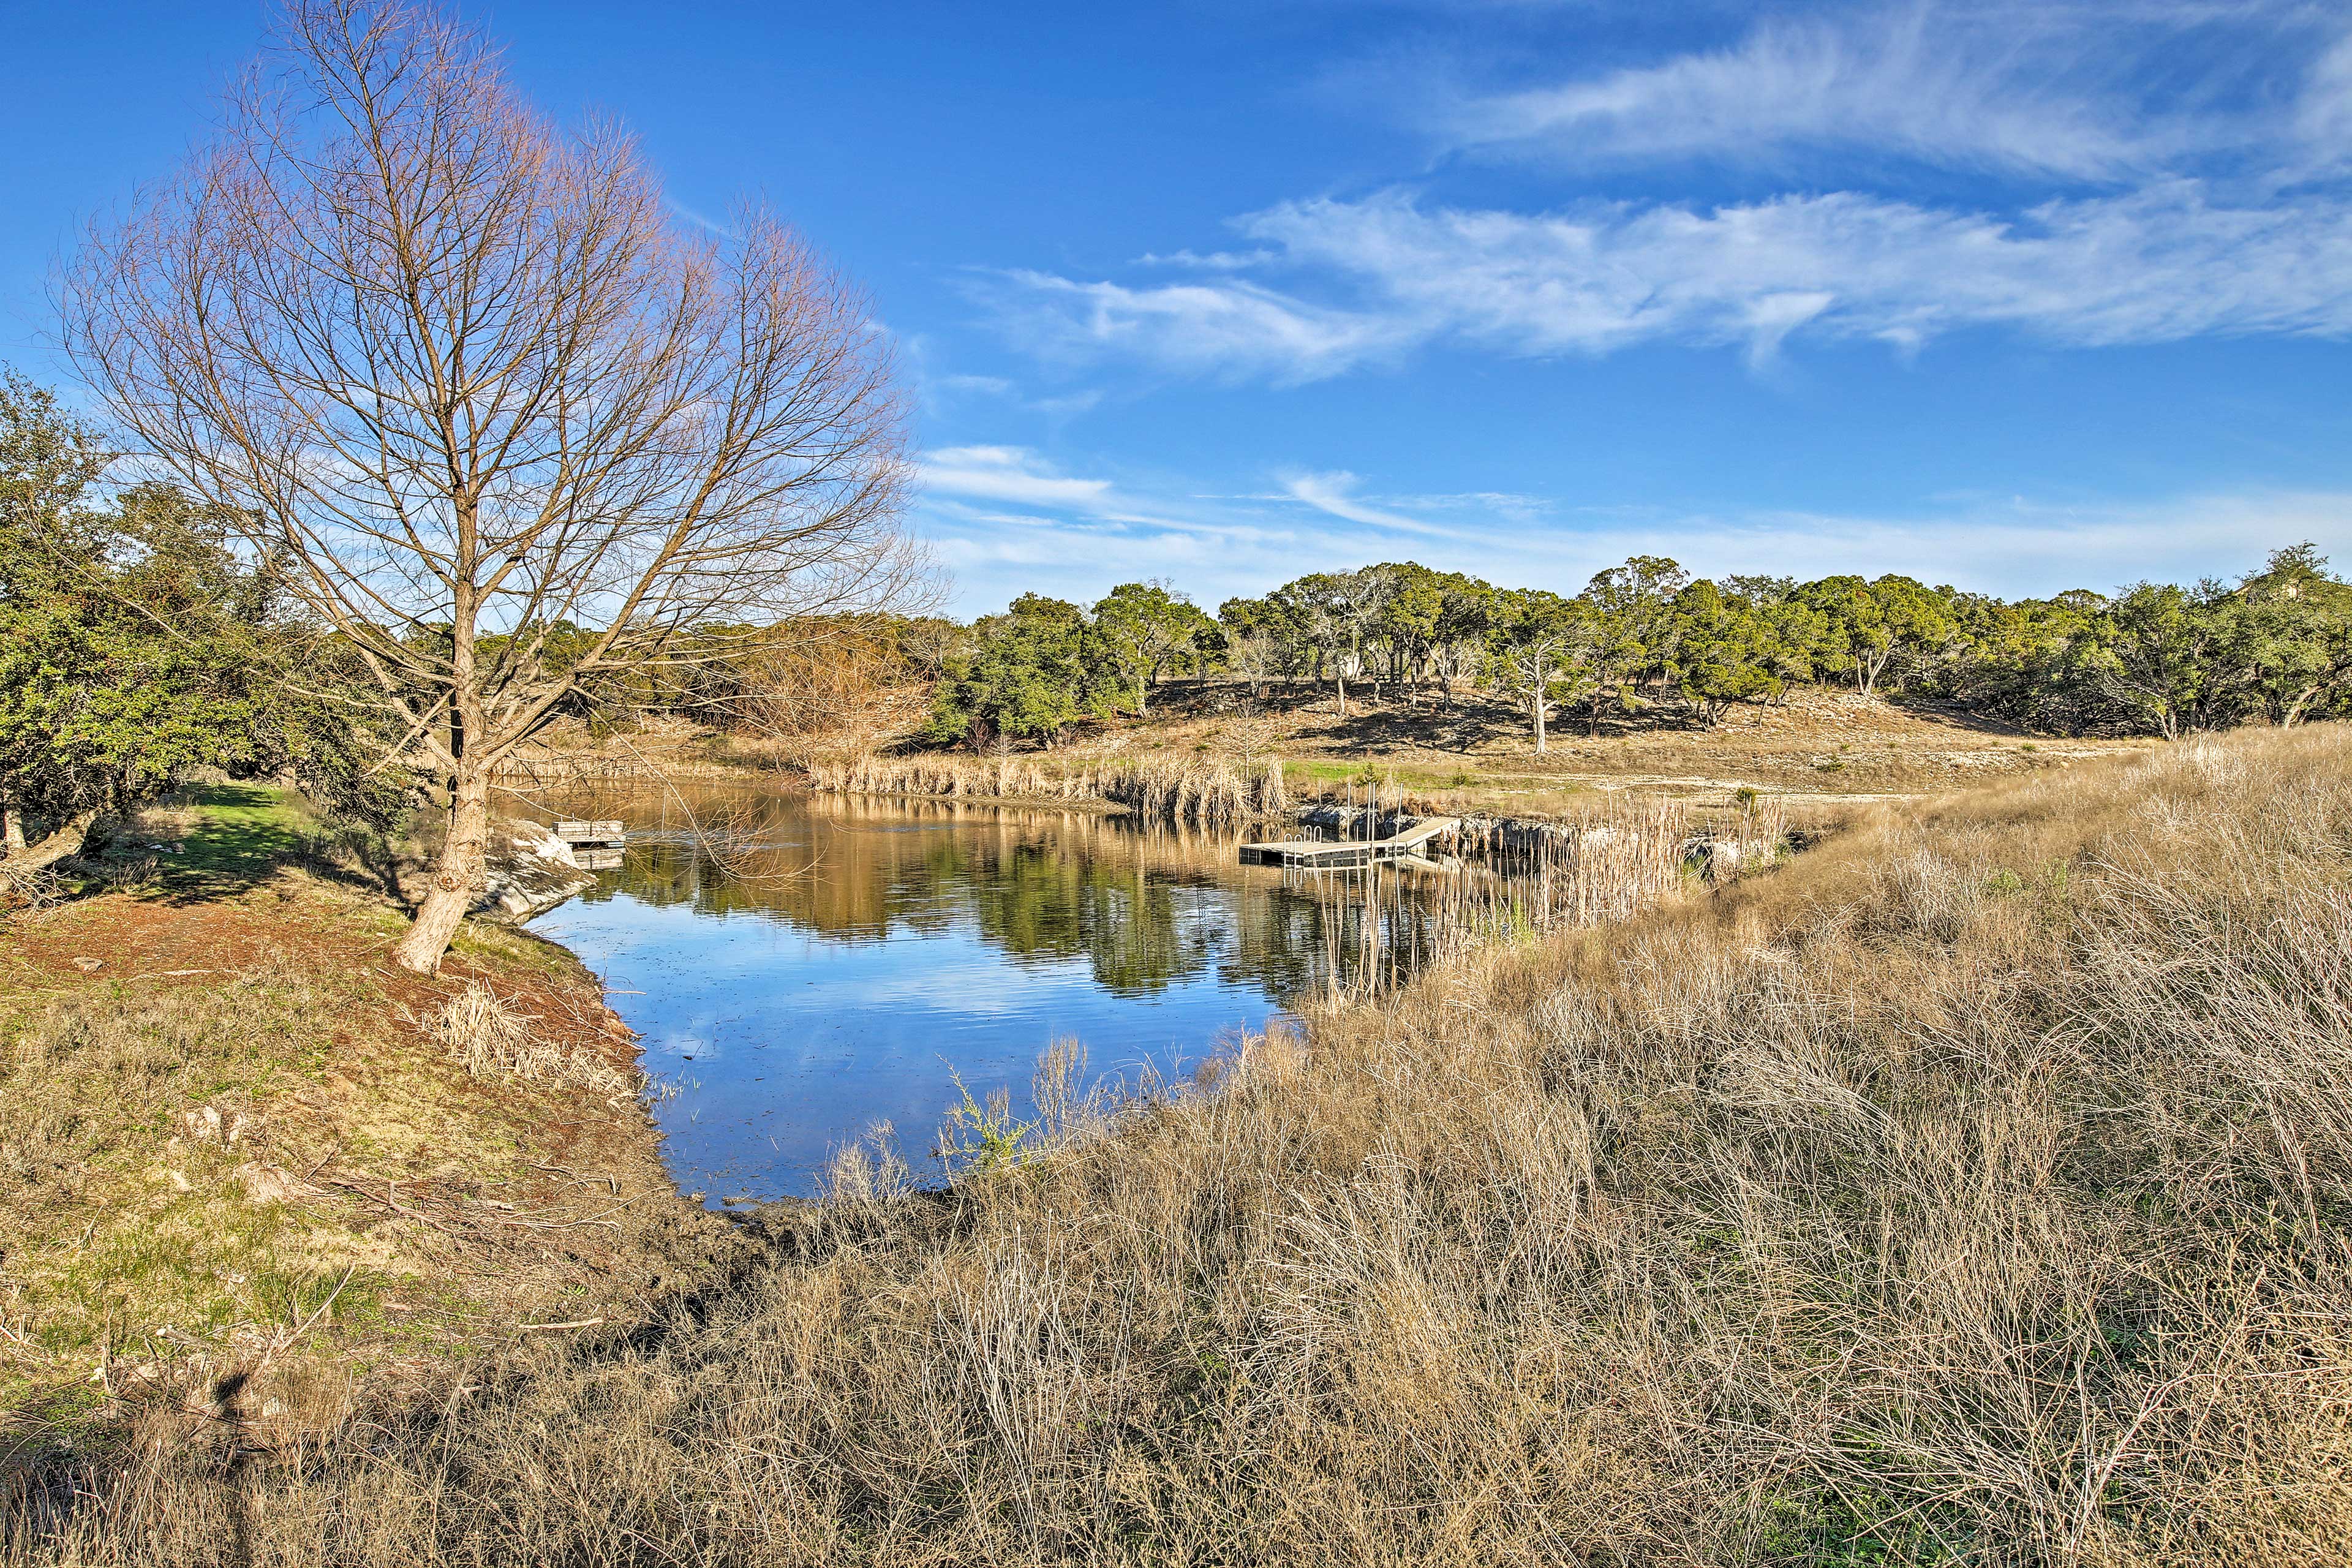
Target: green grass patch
{"type": "Point", "coordinates": [1363, 773]}
{"type": "Point", "coordinates": [1867, 1529]}
{"type": "Point", "coordinates": [241, 832]}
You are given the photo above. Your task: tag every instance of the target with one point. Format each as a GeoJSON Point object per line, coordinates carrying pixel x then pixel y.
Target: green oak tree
{"type": "Point", "coordinates": [1532, 648]}
{"type": "Point", "coordinates": [138, 645]}
{"type": "Point", "coordinates": [1026, 674]}
{"type": "Point", "coordinates": [1724, 652]}
{"type": "Point", "coordinates": [1141, 631]}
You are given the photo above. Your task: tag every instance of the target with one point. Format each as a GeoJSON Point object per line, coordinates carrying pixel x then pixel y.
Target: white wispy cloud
{"type": "Point", "coordinates": [2158, 170]}
{"type": "Point", "coordinates": [2049, 88]}
{"type": "Point", "coordinates": [2157, 264]}
{"type": "Point", "coordinates": [1006, 474]}
{"type": "Point", "coordinates": [1231, 327]}
{"type": "Point", "coordinates": [1334, 494]}
{"type": "Point", "coordinates": [942, 390]}
{"type": "Point", "coordinates": [2323, 110]}
{"type": "Point", "coordinates": [1007, 519]}
{"type": "Point", "coordinates": [703, 221]}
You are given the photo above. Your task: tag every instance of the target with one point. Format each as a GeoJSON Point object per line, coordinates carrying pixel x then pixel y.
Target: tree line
{"type": "Point", "coordinates": [1646, 639]}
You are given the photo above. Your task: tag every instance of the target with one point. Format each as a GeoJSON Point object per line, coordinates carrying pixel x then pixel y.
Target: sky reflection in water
{"type": "Point", "coordinates": [831, 980]}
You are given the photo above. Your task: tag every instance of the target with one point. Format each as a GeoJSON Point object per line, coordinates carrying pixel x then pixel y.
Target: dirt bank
{"type": "Point", "coordinates": [241, 1180]}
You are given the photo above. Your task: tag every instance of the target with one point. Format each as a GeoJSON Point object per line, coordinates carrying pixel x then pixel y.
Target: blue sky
{"type": "Point", "coordinates": [2019, 297]}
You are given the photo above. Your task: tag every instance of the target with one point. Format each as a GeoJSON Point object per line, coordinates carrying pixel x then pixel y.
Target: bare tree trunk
{"type": "Point", "coordinates": [1340, 684]}
{"type": "Point", "coordinates": [458, 876]}
{"type": "Point", "coordinates": [12, 830]}
{"type": "Point", "coordinates": [1142, 709]}
{"type": "Point", "coordinates": [1540, 738]}
{"type": "Point", "coordinates": [66, 841]}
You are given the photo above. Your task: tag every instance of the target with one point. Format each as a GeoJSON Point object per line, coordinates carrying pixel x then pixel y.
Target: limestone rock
{"type": "Point", "coordinates": [269, 1184]}
{"type": "Point", "coordinates": [530, 871]}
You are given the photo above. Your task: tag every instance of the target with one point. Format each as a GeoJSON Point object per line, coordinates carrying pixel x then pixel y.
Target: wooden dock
{"type": "Point", "coordinates": [1316, 855]}
{"type": "Point", "coordinates": [595, 846]}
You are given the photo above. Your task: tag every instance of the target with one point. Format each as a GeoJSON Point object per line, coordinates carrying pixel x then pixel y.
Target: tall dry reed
{"type": "Point", "coordinates": [1207, 792]}
{"type": "Point", "coordinates": [1975, 1189]}
{"type": "Point", "coordinates": [1386, 924]}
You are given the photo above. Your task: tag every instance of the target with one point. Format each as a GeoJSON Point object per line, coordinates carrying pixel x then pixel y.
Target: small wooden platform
{"type": "Point", "coordinates": [576, 832]}
{"type": "Point", "coordinates": [1315, 855]}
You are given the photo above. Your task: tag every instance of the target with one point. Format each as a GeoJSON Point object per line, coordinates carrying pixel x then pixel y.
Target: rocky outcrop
{"type": "Point", "coordinates": [530, 871]}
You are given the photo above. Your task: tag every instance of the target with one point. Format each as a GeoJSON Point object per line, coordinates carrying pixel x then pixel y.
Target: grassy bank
{"type": "Point", "coordinates": [244, 1183]}
{"type": "Point", "coordinates": [1974, 1189]}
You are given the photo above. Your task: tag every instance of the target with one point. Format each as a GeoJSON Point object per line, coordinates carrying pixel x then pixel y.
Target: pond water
{"type": "Point", "coordinates": [831, 968]}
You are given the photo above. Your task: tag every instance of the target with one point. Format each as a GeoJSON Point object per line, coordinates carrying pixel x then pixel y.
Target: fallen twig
{"type": "Point", "coordinates": [303, 1326]}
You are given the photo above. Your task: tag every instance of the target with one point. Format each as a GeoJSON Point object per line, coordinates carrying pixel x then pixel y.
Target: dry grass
{"type": "Point", "coordinates": [1200, 792]}
{"type": "Point", "coordinates": [1474, 754]}
{"type": "Point", "coordinates": [487, 1035]}
{"type": "Point", "coordinates": [239, 1188]}
{"type": "Point", "coordinates": [1973, 1190]}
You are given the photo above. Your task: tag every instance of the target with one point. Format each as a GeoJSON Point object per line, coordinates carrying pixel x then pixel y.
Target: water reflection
{"type": "Point", "coordinates": [827, 968]}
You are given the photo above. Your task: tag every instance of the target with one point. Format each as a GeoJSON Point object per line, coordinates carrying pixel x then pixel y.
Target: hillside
{"type": "Point", "coordinates": [1972, 1189]}
{"type": "Point", "coordinates": [1822, 746]}
{"type": "Point", "coordinates": [1823, 752]}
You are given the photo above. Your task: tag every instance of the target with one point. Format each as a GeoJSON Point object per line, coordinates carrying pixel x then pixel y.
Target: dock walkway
{"type": "Point", "coordinates": [595, 845]}
{"type": "Point", "coordinates": [1315, 854]}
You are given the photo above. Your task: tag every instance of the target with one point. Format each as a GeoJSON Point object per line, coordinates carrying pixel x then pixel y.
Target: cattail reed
{"type": "Point", "coordinates": [1516, 880]}
{"type": "Point", "coordinates": [1205, 793]}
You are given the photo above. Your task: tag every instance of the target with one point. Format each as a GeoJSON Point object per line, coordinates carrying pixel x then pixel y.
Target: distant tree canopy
{"type": "Point", "coordinates": [136, 646]}
{"type": "Point", "coordinates": [1646, 639]}
{"type": "Point", "coordinates": [1026, 674]}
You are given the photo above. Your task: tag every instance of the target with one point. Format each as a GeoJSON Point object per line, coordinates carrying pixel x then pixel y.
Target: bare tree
{"type": "Point", "coordinates": [840, 686]}
{"type": "Point", "coordinates": [514, 430]}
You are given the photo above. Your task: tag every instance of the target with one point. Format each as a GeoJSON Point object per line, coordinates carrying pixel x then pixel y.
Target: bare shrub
{"type": "Point", "coordinates": [28, 888]}
{"type": "Point", "coordinates": [837, 689]}
{"type": "Point", "coordinates": [482, 1032]}
{"type": "Point", "coordinates": [135, 875]}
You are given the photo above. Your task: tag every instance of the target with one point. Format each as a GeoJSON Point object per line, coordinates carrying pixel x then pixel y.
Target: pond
{"type": "Point", "coordinates": [838, 962]}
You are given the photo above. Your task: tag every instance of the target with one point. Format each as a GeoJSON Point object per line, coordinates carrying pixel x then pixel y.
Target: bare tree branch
{"type": "Point", "coordinates": [461, 368]}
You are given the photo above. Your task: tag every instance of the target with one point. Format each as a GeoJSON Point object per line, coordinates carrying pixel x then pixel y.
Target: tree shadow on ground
{"type": "Point", "coordinates": [1460, 726]}
{"type": "Point", "coordinates": [240, 837]}
{"type": "Point", "coordinates": [243, 834]}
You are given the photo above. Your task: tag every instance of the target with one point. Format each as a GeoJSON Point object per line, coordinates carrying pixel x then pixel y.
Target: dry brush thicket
{"type": "Point", "coordinates": [1973, 1189]}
